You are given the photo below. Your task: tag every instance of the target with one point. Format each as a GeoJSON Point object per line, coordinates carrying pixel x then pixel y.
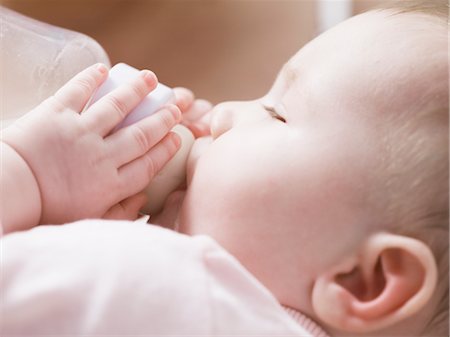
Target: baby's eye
{"type": "Point", "coordinates": [273, 112]}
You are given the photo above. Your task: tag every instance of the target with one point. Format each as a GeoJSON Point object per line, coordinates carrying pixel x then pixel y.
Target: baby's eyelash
{"type": "Point", "coordinates": [273, 112]}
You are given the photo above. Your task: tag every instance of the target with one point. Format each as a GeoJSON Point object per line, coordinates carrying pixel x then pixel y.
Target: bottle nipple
{"type": "Point", "coordinates": [171, 176]}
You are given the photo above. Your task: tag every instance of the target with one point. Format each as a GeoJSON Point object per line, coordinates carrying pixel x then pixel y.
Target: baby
{"type": "Point", "coordinates": [332, 189]}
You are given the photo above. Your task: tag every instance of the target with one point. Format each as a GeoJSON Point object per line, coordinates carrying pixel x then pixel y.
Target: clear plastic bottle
{"type": "Point", "coordinates": [36, 59]}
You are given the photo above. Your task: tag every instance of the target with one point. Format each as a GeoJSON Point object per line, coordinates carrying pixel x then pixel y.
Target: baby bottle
{"type": "Point", "coordinates": [174, 173]}
{"type": "Point", "coordinates": [36, 59]}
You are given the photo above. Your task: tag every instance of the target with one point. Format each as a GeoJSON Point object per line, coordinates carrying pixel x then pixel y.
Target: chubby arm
{"type": "Point", "coordinates": [18, 187]}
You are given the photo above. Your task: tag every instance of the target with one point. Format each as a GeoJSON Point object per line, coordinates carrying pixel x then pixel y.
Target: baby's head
{"type": "Point", "coordinates": [333, 188]}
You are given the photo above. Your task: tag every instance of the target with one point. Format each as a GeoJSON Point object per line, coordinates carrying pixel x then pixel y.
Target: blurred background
{"type": "Point", "coordinates": [221, 49]}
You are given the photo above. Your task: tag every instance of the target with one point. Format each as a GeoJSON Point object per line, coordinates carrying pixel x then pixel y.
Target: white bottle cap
{"type": "Point", "coordinates": [122, 73]}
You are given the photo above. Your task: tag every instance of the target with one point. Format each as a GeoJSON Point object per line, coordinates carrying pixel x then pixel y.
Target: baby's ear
{"type": "Point", "coordinates": [389, 279]}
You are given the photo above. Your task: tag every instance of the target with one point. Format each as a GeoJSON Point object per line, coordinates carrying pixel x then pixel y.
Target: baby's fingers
{"type": "Point", "coordinates": [191, 108]}
{"type": "Point", "coordinates": [183, 98]}
{"type": "Point", "coordinates": [135, 176]}
{"type": "Point", "coordinates": [112, 108]}
{"type": "Point", "coordinates": [135, 140]}
{"type": "Point", "coordinates": [76, 93]}
{"type": "Point", "coordinates": [199, 118]}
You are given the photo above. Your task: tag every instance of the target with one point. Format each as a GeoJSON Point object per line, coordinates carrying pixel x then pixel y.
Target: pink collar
{"type": "Point", "coordinates": [306, 323]}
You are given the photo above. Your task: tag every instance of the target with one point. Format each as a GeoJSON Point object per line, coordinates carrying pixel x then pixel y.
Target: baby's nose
{"type": "Point", "coordinates": [229, 114]}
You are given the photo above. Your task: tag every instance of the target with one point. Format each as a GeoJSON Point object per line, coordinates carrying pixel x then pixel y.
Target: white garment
{"type": "Point", "coordinates": [98, 277]}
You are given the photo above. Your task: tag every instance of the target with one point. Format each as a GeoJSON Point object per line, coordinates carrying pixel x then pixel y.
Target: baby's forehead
{"type": "Point", "coordinates": [377, 38]}
{"type": "Point", "coordinates": [380, 58]}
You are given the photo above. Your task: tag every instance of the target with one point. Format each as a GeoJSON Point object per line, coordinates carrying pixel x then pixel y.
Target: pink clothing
{"type": "Point", "coordinates": [306, 323]}
{"type": "Point", "coordinates": [97, 277]}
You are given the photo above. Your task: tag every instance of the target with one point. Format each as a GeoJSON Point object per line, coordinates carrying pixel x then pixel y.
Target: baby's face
{"type": "Point", "coordinates": [286, 183]}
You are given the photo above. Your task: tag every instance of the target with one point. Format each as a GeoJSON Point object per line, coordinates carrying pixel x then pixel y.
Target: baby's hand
{"type": "Point", "coordinates": [196, 112]}
{"type": "Point", "coordinates": [83, 170]}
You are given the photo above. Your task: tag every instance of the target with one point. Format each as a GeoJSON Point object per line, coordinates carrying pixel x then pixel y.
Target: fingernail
{"type": "Point", "coordinates": [176, 139]}
{"type": "Point", "coordinates": [176, 113]}
{"type": "Point", "coordinates": [101, 68]}
{"type": "Point", "coordinates": [149, 77]}
{"type": "Point", "coordinates": [200, 130]}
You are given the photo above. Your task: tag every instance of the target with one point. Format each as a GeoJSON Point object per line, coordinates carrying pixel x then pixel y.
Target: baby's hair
{"type": "Point", "coordinates": [432, 226]}
{"type": "Point", "coordinates": [437, 8]}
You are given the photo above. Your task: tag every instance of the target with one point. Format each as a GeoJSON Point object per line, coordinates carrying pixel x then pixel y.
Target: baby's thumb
{"type": "Point", "coordinates": [127, 209]}
{"type": "Point", "coordinates": [76, 93]}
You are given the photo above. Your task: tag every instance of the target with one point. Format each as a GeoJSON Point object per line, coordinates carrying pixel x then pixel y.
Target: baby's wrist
{"type": "Point", "coordinates": [19, 192]}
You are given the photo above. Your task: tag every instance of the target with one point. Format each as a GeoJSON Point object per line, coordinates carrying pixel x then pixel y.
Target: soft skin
{"type": "Point", "coordinates": [290, 183]}
{"type": "Point", "coordinates": [62, 166]}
